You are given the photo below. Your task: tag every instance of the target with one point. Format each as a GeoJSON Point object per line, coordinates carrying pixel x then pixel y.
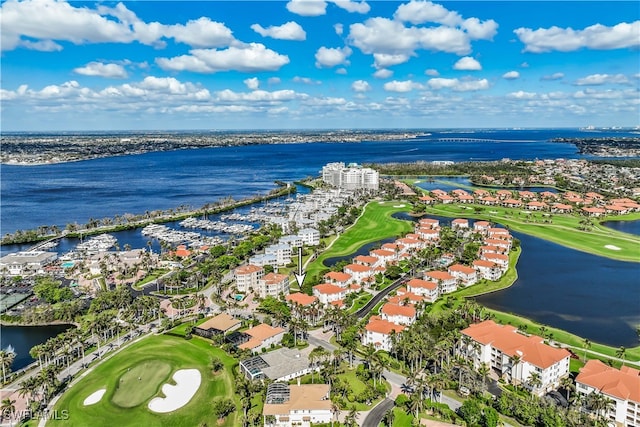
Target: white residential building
{"type": "Point", "coordinates": [293, 240]}
{"type": "Point", "coordinates": [446, 282]}
{"type": "Point", "coordinates": [466, 276]}
{"type": "Point", "coordinates": [359, 272]}
{"type": "Point", "coordinates": [352, 177]}
{"type": "Point", "coordinates": [424, 288]}
{"type": "Point", "coordinates": [247, 277]}
{"type": "Point", "coordinates": [297, 405]}
{"type": "Point", "coordinates": [281, 251]}
{"type": "Point", "coordinates": [514, 356]}
{"type": "Point", "coordinates": [328, 293]}
{"type": "Point", "coordinates": [28, 262]}
{"type": "Point", "coordinates": [273, 284]}
{"type": "Point", "coordinates": [263, 259]}
{"type": "Point", "coordinates": [309, 236]}
{"type": "Point", "coordinates": [622, 386]}
{"type": "Point", "coordinates": [398, 314]}
{"type": "Point", "coordinates": [379, 332]}
{"type": "Point", "coordinates": [487, 269]}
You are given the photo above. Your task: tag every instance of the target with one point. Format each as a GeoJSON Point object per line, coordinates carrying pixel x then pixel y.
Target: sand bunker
{"type": "Point", "coordinates": [398, 206]}
{"type": "Point", "coordinates": [176, 396]}
{"type": "Point", "coordinates": [612, 247]}
{"type": "Point", "coordinates": [94, 397]}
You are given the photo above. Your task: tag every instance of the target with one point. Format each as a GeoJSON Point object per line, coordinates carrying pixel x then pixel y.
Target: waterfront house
{"type": "Point", "coordinates": [429, 223]}
{"type": "Point", "coordinates": [621, 386]}
{"type": "Point", "coordinates": [460, 223]}
{"type": "Point", "coordinates": [299, 405]}
{"type": "Point", "coordinates": [384, 256]}
{"type": "Point", "coordinates": [537, 206]}
{"type": "Point", "coordinates": [500, 259]}
{"type": "Point", "coordinates": [446, 282]}
{"type": "Point", "coordinates": [487, 269]}
{"type": "Point", "coordinates": [501, 243]}
{"type": "Point", "coordinates": [247, 277]}
{"type": "Point", "coordinates": [427, 289]}
{"type": "Point", "coordinates": [514, 356]}
{"type": "Point", "coordinates": [593, 211]}
{"type": "Point", "coordinates": [410, 244]}
{"type": "Point", "coordinates": [488, 200]}
{"type": "Point", "coordinates": [262, 336]}
{"type": "Point", "coordinates": [428, 234]}
{"type": "Point", "coordinates": [399, 314]}
{"type": "Point", "coordinates": [379, 332]}
{"type": "Point", "coordinates": [561, 208]}
{"type": "Point", "coordinates": [481, 227]}
{"type": "Point", "coordinates": [273, 284]}
{"type": "Point", "coordinates": [465, 275]}
{"type": "Point", "coordinates": [445, 198]}
{"type": "Point", "coordinates": [427, 200]}
{"type": "Point", "coordinates": [369, 261]}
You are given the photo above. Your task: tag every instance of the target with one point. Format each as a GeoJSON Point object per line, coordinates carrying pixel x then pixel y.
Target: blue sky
{"type": "Point", "coordinates": [318, 64]}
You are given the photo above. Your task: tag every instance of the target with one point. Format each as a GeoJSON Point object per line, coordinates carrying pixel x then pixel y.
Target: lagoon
{"type": "Point", "coordinates": [22, 338]}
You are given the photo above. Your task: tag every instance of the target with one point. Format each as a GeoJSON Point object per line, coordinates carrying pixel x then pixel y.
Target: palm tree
{"type": "Point", "coordinates": [388, 418]}
{"type": "Point", "coordinates": [585, 344]}
{"type": "Point", "coordinates": [351, 420]}
{"type": "Point", "coordinates": [534, 380]}
{"type": "Point", "coordinates": [568, 385]}
{"type": "Point", "coordinates": [7, 407]}
{"type": "Point", "coordinates": [515, 361]}
{"type": "Point", "coordinates": [620, 353]}
{"type": "Point", "coordinates": [484, 371]}
{"type": "Point", "coordinates": [7, 356]}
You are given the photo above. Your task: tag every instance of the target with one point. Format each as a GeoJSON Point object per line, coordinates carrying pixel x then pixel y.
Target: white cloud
{"type": "Point", "coordinates": [467, 63]}
{"type": "Point", "coordinates": [458, 85]}
{"type": "Point", "coordinates": [228, 95]}
{"type": "Point", "coordinates": [431, 72]}
{"type": "Point", "coordinates": [330, 57]}
{"type": "Point", "coordinates": [352, 6]}
{"type": "Point", "coordinates": [383, 73]}
{"type": "Point", "coordinates": [51, 20]}
{"type": "Point", "coordinates": [384, 60]}
{"type": "Point", "coordinates": [360, 86]}
{"type": "Point", "coordinates": [306, 80]}
{"type": "Point", "coordinates": [511, 75]}
{"type": "Point", "coordinates": [600, 37]}
{"type": "Point", "coordinates": [99, 69]}
{"type": "Point", "coordinates": [524, 65]}
{"type": "Point", "coordinates": [197, 33]}
{"type": "Point", "coordinates": [554, 76]}
{"type": "Point", "coordinates": [385, 36]}
{"type": "Point", "coordinates": [419, 12]}
{"type": "Point", "coordinates": [252, 83]}
{"type": "Point", "coordinates": [600, 79]}
{"type": "Point", "coordinates": [342, 71]}
{"type": "Point", "coordinates": [522, 95]}
{"type": "Point", "coordinates": [289, 31]}
{"type": "Point", "coordinates": [251, 57]}
{"type": "Point", "coordinates": [273, 80]}
{"type": "Point", "coordinates": [402, 86]}
{"type": "Point", "coordinates": [339, 29]}
{"type": "Point", "coordinates": [307, 7]}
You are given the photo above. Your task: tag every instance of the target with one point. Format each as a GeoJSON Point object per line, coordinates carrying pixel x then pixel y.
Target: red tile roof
{"type": "Point", "coordinates": [399, 310]}
{"type": "Point", "coordinates": [248, 269]}
{"type": "Point", "coordinates": [328, 288]}
{"type": "Point", "coordinates": [623, 384]}
{"type": "Point", "coordinates": [506, 339]}
{"type": "Point", "coordinates": [301, 299]}
{"type": "Point", "coordinates": [337, 276]}
{"type": "Point", "coordinates": [419, 283]}
{"type": "Point", "coordinates": [376, 324]}
{"type": "Point", "coordinates": [357, 267]}
{"type": "Point", "coordinates": [459, 268]}
{"type": "Point", "coordinates": [439, 275]}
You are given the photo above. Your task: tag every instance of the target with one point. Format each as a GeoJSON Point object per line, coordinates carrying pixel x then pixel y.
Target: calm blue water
{"type": "Point", "coordinates": [593, 297]}
{"type": "Point", "coordinates": [64, 193]}
{"type": "Point", "coordinates": [590, 296]}
{"type": "Point", "coordinates": [22, 338]}
{"type": "Point", "coordinates": [631, 227]}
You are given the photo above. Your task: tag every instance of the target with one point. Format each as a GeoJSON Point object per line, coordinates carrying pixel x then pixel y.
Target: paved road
{"type": "Point", "coordinates": [377, 298]}
{"type": "Point", "coordinates": [374, 417]}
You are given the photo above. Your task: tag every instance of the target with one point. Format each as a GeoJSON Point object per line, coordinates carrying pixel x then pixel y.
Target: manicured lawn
{"type": "Point", "coordinates": [375, 224]}
{"type": "Point", "coordinates": [487, 286]}
{"type": "Point", "coordinates": [360, 302]}
{"type": "Point", "coordinates": [563, 229]}
{"type": "Point", "coordinates": [143, 359]}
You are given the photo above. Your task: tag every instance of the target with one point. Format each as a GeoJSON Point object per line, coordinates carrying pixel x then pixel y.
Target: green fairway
{"type": "Point", "coordinates": [153, 360]}
{"type": "Point", "coordinates": [375, 224]}
{"type": "Point", "coordinates": [557, 228]}
{"type": "Point", "coordinates": [140, 383]}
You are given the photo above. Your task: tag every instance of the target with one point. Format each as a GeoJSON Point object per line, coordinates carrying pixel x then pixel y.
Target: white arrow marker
{"type": "Point", "coordinates": [300, 274]}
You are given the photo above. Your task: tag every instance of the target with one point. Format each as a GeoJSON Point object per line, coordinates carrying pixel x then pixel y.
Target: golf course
{"type": "Point", "coordinates": [375, 223]}
{"type": "Point", "coordinates": [576, 232]}
{"type": "Point", "coordinates": [167, 373]}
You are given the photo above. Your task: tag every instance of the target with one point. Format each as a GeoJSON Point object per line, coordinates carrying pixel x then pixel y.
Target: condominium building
{"type": "Point", "coordinates": [351, 177]}
{"type": "Point", "coordinates": [621, 386]}
{"type": "Point", "coordinates": [273, 284]}
{"type": "Point", "coordinates": [300, 405]}
{"type": "Point", "coordinates": [247, 277]}
{"type": "Point", "coordinates": [514, 356]}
